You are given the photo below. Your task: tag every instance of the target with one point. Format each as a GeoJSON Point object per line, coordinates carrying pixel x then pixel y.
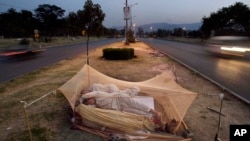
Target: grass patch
{"type": "Point", "coordinates": [5, 115]}
{"type": "Point", "coordinates": [2, 89]}
{"type": "Point", "coordinates": [44, 115]}
{"type": "Point", "coordinates": [24, 79]}
{"type": "Point", "coordinates": [49, 112]}
{"type": "Point", "coordinates": [38, 134]}
{"type": "Point", "coordinates": [55, 41]}
{"type": "Point", "coordinates": [8, 42]}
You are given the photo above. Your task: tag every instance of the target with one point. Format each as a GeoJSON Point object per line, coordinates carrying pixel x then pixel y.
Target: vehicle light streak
{"type": "Point", "coordinates": [12, 53]}
{"type": "Point", "coordinates": [236, 49]}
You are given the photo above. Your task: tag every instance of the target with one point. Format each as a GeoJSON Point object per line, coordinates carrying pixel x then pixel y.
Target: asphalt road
{"type": "Point", "coordinates": [13, 67]}
{"type": "Point", "coordinates": [232, 74]}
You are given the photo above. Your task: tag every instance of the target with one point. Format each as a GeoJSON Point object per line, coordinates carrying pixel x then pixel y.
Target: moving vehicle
{"type": "Point", "coordinates": [20, 51]}
{"type": "Point", "coordinates": [227, 46]}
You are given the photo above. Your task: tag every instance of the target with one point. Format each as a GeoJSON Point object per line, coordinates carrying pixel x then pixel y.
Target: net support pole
{"type": "Point", "coordinates": [26, 113]}
{"type": "Point", "coordinates": [87, 49]}
{"type": "Point", "coordinates": [27, 119]}
{"type": "Point", "coordinates": [217, 138]}
{"type": "Point", "coordinates": [88, 77]}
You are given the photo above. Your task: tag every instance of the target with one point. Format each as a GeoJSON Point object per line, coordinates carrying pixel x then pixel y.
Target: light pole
{"type": "Point", "coordinates": [183, 31]}
{"type": "Point", "coordinates": [151, 31]}
{"type": "Point", "coordinates": [87, 35]}
{"type": "Point", "coordinates": [134, 29]}
{"type": "Point", "coordinates": [131, 23]}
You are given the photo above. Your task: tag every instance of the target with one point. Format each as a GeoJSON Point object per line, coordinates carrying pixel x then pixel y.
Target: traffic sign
{"type": "Point", "coordinates": [36, 35]}
{"type": "Point", "coordinates": [83, 32]}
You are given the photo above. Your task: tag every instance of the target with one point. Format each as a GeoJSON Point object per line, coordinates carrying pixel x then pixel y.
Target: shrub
{"type": "Point", "coordinates": [46, 39]}
{"type": "Point", "coordinates": [118, 53]}
{"type": "Point", "coordinates": [24, 42]}
{"type": "Point", "coordinates": [131, 38]}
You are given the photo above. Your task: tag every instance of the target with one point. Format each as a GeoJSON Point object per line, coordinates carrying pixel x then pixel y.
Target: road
{"type": "Point", "coordinates": [232, 75]}
{"type": "Point", "coordinates": [12, 68]}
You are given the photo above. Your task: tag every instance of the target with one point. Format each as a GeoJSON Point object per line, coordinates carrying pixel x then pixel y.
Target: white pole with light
{"type": "Point", "coordinates": [130, 16]}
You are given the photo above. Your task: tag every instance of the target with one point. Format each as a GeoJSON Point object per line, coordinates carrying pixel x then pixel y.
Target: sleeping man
{"type": "Point", "coordinates": [121, 102]}
{"type": "Point", "coordinates": [110, 97]}
{"type": "Point", "coordinates": [117, 101]}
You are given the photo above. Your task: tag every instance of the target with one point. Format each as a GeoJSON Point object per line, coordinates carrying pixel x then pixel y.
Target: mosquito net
{"type": "Point", "coordinates": [169, 98]}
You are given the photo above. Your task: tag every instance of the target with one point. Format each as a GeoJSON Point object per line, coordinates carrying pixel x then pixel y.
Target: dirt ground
{"type": "Point", "coordinates": [47, 118]}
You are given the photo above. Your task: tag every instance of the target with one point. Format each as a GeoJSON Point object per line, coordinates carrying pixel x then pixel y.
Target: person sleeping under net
{"type": "Point", "coordinates": [120, 101]}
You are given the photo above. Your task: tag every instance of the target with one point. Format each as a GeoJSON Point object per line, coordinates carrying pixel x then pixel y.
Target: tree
{"type": "Point", "coordinates": [131, 37]}
{"type": "Point", "coordinates": [9, 23]}
{"type": "Point", "coordinates": [161, 33]}
{"type": "Point", "coordinates": [48, 16]}
{"type": "Point", "coordinates": [194, 34]}
{"type": "Point", "coordinates": [234, 19]}
{"type": "Point", "coordinates": [16, 24]}
{"type": "Point", "coordinates": [178, 32]}
{"type": "Point", "coordinates": [72, 25]}
{"type": "Point", "coordinates": [50, 21]}
{"type": "Point", "coordinates": [112, 32]}
{"type": "Point", "coordinates": [140, 31]}
{"type": "Point", "coordinates": [91, 18]}
{"type": "Point", "coordinates": [27, 23]}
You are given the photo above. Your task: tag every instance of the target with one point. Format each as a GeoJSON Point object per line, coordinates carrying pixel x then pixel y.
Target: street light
{"type": "Point", "coordinates": [131, 17]}
{"type": "Point", "coordinates": [183, 30]}
{"type": "Point", "coordinates": [151, 31]}
{"type": "Point", "coordinates": [131, 23]}
{"type": "Point", "coordinates": [134, 29]}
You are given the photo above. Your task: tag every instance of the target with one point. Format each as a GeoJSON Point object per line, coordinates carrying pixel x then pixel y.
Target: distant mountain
{"type": "Point", "coordinates": [167, 26]}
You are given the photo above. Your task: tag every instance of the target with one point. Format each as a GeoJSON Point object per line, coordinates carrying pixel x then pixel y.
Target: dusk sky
{"type": "Point", "coordinates": [145, 12]}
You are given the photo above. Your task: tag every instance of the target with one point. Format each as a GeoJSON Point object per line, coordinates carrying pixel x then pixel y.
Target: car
{"type": "Point", "coordinates": [227, 46]}
{"type": "Point", "coordinates": [20, 51]}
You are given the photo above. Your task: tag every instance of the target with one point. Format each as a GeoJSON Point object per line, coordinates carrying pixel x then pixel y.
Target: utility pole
{"type": "Point", "coordinates": [126, 28]}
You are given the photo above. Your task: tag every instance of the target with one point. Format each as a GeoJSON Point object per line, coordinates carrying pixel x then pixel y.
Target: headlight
{"type": "Point", "coordinates": [235, 49]}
